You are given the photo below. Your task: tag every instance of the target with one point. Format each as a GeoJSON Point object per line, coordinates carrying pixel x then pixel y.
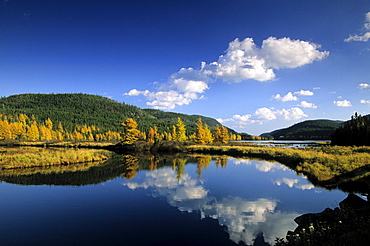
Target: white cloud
{"type": "Point", "coordinates": [304, 93]}
{"type": "Point", "coordinates": [287, 53]}
{"type": "Point", "coordinates": [305, 104]}
{"type": "Point", "coordinates": [243, 60]}
{"type": "Point", "coordinates": [265, 114]}
{"type": "Point", "coordinates": [244, 118]}
{"type": "Point", "coordinates": [365, 36]}
{"type": "Point", "coordinates": [365, 101]}
{"type": "Point", "coordinates": [364, 86]}
{"type": "Point", "coordinates": [343, 103]}
{"type": "Point", "coordinates": [181, 89]}
{"type": "Point", "coordinates": [285, 114]}
{"type": "Point", "coordinates": [135, 92]}
{"type": "Point", "coordinates": [286, 98]}
{"type": "Point", "coordinates": [362, 38]}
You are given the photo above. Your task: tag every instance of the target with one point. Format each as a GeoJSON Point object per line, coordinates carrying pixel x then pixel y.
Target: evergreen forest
{"type": "Point", "coordinates": [89, 117]}
{"type": "Point", "coordinates": [355, 132]}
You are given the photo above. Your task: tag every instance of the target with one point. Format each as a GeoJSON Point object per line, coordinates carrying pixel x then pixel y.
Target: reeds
{"type": "Point", "coordinates": [27, 157]}
{"type": "Point", "coordinates": [323, 163]}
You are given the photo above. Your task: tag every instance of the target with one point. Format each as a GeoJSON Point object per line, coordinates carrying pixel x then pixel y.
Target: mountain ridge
{"type": "Point", "coordinates": [305, 130]}
{"type": "Point", "coordinates": [73, 109]}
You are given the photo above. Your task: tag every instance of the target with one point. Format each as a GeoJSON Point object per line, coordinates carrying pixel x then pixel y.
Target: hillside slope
{"type": "Point", "coordinates": [310, 129]}
{"type": "Point", "coordinates": [79, 109]}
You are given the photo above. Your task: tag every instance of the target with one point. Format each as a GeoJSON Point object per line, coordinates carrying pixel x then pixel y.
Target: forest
{"type": "Point", "coordinates": [355, 132]}
{"type": "Point", "coordinates": [28, 128]}
{"type": "Point", "coordinates": [75, 110]}
{"type": "Point", "coordinates": [306, 130]}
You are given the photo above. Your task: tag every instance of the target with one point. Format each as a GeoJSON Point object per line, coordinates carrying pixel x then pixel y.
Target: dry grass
{"type": "Point", "coordinates": [323, 163]}
{"type": "Point", "coordinates": [27, 157]}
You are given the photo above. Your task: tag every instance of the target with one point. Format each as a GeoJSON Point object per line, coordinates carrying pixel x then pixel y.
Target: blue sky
{"type": "Point", "coordinates": [255, 65]}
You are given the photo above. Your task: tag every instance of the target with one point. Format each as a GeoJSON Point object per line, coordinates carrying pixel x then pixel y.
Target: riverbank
{"type": "Point", "coordinates": [29, 157]}
{"type": "Point", "coordinates": [323, 165]}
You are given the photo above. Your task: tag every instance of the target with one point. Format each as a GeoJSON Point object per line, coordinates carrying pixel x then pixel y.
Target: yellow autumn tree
{"type": "Point", "coordinates": [33, 133]}
{"type": "Point", "coordinates": [151, 137]}
{"type": "Point", "coordinates": [221, 134]}
{"type": "Point", "coordinates": [131, 134]}
{"type": "Point", "coordinates": [180, 131]}
{"type": "Point", "coordinates": [203, 134]}
{"type": "Point", "coordinates": [5, 132]}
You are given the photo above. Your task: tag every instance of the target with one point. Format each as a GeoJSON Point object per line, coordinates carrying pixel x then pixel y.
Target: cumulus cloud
{"type": "Point", "coordinates": [285, 114]}
{"type": "Point", "coordinates": [365, 101]}
{"type": "Point", "coordinates": [343, 103]}
{"type": "Point", "coordinates": [304, 93]}
{"type": "Point", "coordinates": [305, 104]}
{"type": "Point", "coordinates": [365, 36]}
{"type": "Point", "coordinates": [181, 89]}
{"type": "Point", "coordinates": [364, 86]}
{"type": "Point", "coordinates": [266, 114]}
{"type": "Point", "coordinates": [288, 97]}
{"type": "Point", "coordinates": [287, 53]}
{"type": "Point", "coordinates": [243, 60]}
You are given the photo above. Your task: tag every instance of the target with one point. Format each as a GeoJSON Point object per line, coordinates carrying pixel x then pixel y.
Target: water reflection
{"type": "Point", "coordinates": [244, 219]}
{"type": "Point", "coordinates": [248, 197]}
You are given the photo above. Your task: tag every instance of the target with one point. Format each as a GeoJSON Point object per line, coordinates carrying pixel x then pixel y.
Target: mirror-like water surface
{"type": "Point", "coordinates": [196, 201]}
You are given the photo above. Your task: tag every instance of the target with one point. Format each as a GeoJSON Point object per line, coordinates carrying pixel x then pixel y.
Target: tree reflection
{"type": "Point", "coordinates": [222, 161]}
{"type": "Point", "coordinates": [179, 166]}
{"type": "Point", "coordinates": [202, 163]}
{"type": "Point", "coordinates": [131, 165]}
{"type": "Point", "coordinates": [152, 161]}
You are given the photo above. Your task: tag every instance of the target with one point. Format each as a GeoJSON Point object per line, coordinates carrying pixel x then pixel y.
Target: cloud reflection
{"type": "Point", "coordinates": [293, 183]}
{"type": "Point", "coordinates": [244, 219]}
{"type": "Point", "coordinates": [263, 166]}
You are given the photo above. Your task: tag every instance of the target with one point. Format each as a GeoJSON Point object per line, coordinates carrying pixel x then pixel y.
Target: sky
{"type": "Point", "coordinates": [254, 65]}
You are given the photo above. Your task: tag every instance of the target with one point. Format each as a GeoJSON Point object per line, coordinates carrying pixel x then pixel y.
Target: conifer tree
{"type": "Point", "coordinates": [131, 134]}
{"type": "Point", "coordinates": [203, 134]}
{"type": "Point", "coordinates": [181, 130]}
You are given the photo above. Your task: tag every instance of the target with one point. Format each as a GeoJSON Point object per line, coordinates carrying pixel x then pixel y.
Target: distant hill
{"type": "Point", "coordinates": [310, 129]}
{"type": "Point", "coordinates": [79, 109]}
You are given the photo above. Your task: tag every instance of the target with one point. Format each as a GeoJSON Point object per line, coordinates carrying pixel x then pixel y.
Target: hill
{"type": "Point", "coordinates": [310, 129]}
{"type": "Point", "coordinates": [79, 109]}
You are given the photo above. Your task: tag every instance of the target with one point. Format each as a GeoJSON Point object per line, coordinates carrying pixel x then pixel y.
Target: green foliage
{"type": "Point", "coordinates": [83, 109]}
{"type": "Point", "coordinates": [354, 132]}
{"type": "Point", "coordinates": [310, 129]}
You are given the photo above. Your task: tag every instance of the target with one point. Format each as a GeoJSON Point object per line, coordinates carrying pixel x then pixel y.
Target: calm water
{"type": "Point", "coordinates": [197, 201]}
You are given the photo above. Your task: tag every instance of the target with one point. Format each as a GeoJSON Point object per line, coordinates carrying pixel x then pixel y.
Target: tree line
{"type": "Point", "coordinates": [353, 132]}
{"type": "Point", "coordinates": [28, 128]}
{"type": "Point", "coordinates": [203, 134]}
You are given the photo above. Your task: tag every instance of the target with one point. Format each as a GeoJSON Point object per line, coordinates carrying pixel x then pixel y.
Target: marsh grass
{"type": "Point", "coordinates": [323, 163]}
{"type": "Point", "coordinates": [62, 144]}
{"type": "Point", "coordinates": [28, 157]}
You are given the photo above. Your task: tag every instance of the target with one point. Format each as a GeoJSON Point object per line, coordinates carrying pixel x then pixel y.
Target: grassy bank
{"type": "Point", "coordinates": [323, 163]}
{"type": "Point", "coordinates": [61, 144]}
{"type": "Point", "coordinates": [27, 157]}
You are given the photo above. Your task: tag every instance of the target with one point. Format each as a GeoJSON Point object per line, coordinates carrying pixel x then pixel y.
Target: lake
{"type": "Point", "coordinates": [199, 200]}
